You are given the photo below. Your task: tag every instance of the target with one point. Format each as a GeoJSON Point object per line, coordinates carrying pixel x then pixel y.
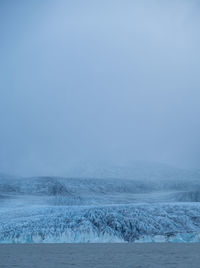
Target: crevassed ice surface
{"type": "Point", "coordinates": [130, 223]}
{"type": "Point", "coordinates": [157, 205]}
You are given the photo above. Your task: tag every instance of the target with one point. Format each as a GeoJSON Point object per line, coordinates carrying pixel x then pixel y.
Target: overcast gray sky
{"type": "Point", "coordinates": [99, 80]}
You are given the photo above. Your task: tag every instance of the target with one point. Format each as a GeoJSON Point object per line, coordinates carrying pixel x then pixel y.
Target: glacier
{"type": "Point", "coordinates": [118, 223]}
{"type": "Point", "coordinates": [102, 209]}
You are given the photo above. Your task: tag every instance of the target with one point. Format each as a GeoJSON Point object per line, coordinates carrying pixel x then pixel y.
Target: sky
{"type": "Point", "coordinates": [111, 80]}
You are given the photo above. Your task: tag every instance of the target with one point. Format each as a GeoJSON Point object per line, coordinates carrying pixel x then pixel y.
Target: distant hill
{"type": "Point", "coordinates": [137, 170]}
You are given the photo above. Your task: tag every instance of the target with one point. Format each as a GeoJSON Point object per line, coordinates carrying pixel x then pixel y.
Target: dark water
{"type": "Point", "coordinates": [100, 255]}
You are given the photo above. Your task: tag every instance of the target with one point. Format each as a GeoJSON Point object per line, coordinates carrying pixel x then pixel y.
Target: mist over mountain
{"type": "Point", "coordinates": [107, 81]}
{"type": "Point", "coordinates": [129, 170]}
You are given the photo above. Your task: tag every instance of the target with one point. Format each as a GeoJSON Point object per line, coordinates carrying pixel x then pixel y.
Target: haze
{"type": "Point", "coordinates": [84, 81]}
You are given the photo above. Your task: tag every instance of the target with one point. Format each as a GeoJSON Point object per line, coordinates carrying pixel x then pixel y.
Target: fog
{"type": "Point", "coordinates": [92, 81]}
